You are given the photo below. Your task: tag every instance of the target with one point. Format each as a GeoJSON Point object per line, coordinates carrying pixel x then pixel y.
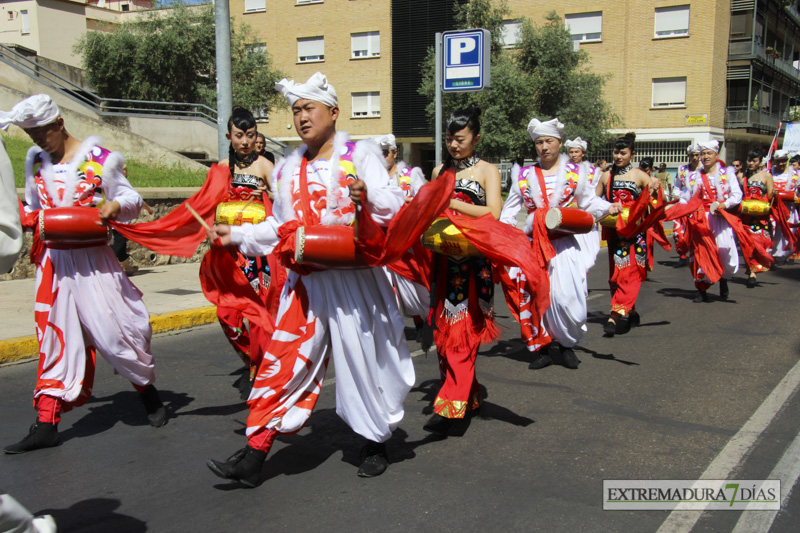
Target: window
{"type": "Point", "coordinates": [741, 25]}
{"type": "Point", "coordinates": [672, 21]}
{"type": "Point", "coordinates": [251, 6]}
{"type": "Point", "coordinates": [366, 105]}
{"type": "Point", "coordinates": [126, 8]}
{"type": "Point", "coordinates": [510, 34]}
{"type": "Point", "coordinates": [586, 27]}
{"type": "Point", "coordinates": [365, 44]}
{"type": "Point", "coordinates": [669, 92]}
{"type": "Point", "coordinates": [310, 49]}
{"type": "Point", "coordinates": [26, 23]}
{"type": "Point", "coordinates": [256, 48]}
{"type": "Point", "coordinates": [10, 15]}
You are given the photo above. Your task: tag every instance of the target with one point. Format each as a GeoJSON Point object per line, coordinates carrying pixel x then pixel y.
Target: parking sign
{"type": "Point", "coordinates": [466, 60]}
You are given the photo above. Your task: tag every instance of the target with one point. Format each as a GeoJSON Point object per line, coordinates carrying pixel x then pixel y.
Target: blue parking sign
{"type": "Point", "coordinates": [466, 60]}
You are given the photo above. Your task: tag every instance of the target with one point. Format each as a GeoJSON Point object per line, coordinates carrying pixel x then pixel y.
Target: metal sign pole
{"type": "Point", "coordinates": [437, 140]}
{"type": "Point", "coordinates": [222, 29]}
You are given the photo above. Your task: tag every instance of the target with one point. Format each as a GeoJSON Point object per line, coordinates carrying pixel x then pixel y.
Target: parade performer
{"type": "Point", "coordinates": [576, 150]}
{"type": "Point", "coordinates": [555, 181]}
{"type": "Point", "coordinates": [756, 185]}
{"type": "Point", "coordinates": [627, 255]}
{"type": "Point", "coordinates": [414, 298]}
{"type": "Point", "coordinates": [249, 182]}
{"type": "Point", "coordinates": [350, 315]}
{"type": "Point", "coordinates": [84, 301]}
{"type": "Point", "coordinates": [684, 176]}
{"type": "Point", "coordinates": [10, 228]}
{"type": "Point", "coordinates": [784, 213]}
{"type": "Point", "coordinates": [712, 259]}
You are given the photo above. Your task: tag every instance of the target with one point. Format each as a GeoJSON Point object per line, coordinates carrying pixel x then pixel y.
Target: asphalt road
{"type": "Point", "coordinates": [661, 402]}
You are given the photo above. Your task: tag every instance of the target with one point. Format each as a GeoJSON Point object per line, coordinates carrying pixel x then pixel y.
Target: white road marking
{"type": "Point", "coordinates": [738, 448]}
{"type": "Point", "coordinates": [787, 470]}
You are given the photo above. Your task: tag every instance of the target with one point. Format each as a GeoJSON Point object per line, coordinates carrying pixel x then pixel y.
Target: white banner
{"type": "Point", "coordinates": [791, 139]}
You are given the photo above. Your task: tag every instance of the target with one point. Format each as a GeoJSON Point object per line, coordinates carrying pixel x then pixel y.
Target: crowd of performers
{"type": "Point", "coordinates": [319, 256]}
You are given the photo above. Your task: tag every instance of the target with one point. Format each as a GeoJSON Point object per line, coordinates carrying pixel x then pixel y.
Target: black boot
{"type": "Point", "coordinates": [569, 359]}
{"type": "Point", "coordinates": [609, 328]}
{"type": "Point", "coordinates": [634, 319]}
{"type": "Point", "coordinates": [156, 412]}
{"type": "Point", "coordinates": [702, 296]}
{"type": "Point", "coordinates": [244, 466]}
{"type": "Point", "coordinates": [723, 289]}
{"type": "Point", "coordinates": [374, 461]}
{"type": "Point", "coordinates": [41, 435]}
{"type": "Point", "coordinates": [541, 359]}
{"type": "Point", "coordinates": [752, 281]}
{"type": "Point", "coordinates": [438, 424]}
{"type": "Point", "coordinates": [683, 262]}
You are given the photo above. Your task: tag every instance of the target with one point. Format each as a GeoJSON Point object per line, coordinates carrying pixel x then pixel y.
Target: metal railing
{"type": "Point", "coordinates": [744, 117]}
{"type": "Point", "coordinates": [114, 106]}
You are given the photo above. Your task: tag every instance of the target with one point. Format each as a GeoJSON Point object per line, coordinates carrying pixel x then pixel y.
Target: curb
{"type": "Point", "coordinates": [18, 348]}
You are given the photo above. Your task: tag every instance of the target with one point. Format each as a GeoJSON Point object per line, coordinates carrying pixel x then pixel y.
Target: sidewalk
{"type": "Point", "coordinates": [171, 292]}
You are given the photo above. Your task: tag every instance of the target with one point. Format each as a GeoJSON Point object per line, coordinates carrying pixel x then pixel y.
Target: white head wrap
{"type": "Point", "coordinates": [780, 154]}
{"type": "Point", "coordinates": [693, 148]}
{"type": "Point", "coordinates": [551, 128]}
{"type": "Point", "coordinates": [709, 145]}
{"type": "Point", "coordinates": [387, 142]}
{"type": "Point", "coordinates": [37, 110]}
{"type": "Point", "coordinates": [316, 88]}
{"type": "Point", "coordinates": [577, 143]}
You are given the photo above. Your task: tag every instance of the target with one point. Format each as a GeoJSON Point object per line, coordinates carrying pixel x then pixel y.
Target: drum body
{"type": "Point", "coordinates": [72, 227]}
{"type": "Point", "coordinates": [562, 221]}
{"type": "Point", "coordinates": [328, 247]}
{"type": "Point", "coordinates": [786, 196]}
{"type": "Point", "coordinates": [238, 213]}
{"type": "Point", "coordinates": [755, 208]}
{"type": "Point", "coordinates": [446, 239]}
{"type": "Point", "coordinates": [611, 220]}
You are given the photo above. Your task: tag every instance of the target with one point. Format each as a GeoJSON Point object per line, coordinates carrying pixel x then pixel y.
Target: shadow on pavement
{"type": "Point", "coordinates": [96, 515]}
{"type": "Point", "coordinates": [605, 356]}
{"type": "Point", "coordinates": [125, 407]}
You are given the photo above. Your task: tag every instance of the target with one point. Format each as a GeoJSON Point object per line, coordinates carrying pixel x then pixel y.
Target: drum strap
{"type": "Point", "coordinates": [309, 217]}
{"type": "Point", "coordinates": [542, 185]}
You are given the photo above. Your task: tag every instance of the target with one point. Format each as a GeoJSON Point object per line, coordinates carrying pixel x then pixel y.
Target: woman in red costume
{"type": "Point", "coordinates": [250, 175]}
{"type": "Point", "coordinates": [463, 286]}
{"type": "Point", "coordinates": [627, 258]}
{"type": "Point", "coordinates": [756, 185]}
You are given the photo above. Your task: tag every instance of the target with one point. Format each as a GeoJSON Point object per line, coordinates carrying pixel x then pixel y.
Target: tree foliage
{"type": "Point", "coordinates": [169, 55]}
{"type": "Point", "coordinates": [543, 77]}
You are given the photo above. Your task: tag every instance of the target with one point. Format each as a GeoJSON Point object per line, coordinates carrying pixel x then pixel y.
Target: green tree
{"type": "Point", "coordinates": [543, 77]}
{"type": "Point", "coordinates": [169, 55]}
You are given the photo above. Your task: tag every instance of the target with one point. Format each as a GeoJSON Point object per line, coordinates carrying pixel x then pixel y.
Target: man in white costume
{"type": "Point", "coordinates": [685, 173]}
{"type": "Point", "coordinates": [720, 189]}
{"type": "Point", "coordinates": [10, 228]}
{"type": "Point", "coordinates": [414, 299]}
{"type": "Point", "coordinates": [555, 181]}
{"type": "Point", "coordinates": [84, 301]}
{"type": "Point", "coordinates": [349, 315]}
{"type": "Point", "coordinates": [576, 150]}
{"type": "Point", "coordinates": [784, 179]}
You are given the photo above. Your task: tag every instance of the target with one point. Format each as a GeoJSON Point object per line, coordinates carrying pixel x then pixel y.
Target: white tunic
{"type": "Point", "coordinates": [10, 228]}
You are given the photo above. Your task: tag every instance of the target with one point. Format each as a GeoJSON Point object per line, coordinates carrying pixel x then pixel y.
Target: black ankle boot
{"type": "Point", "coordinates": [438, 424]}
{"type": "Point", "coordinates": [156, 412]}
{"type": "Point", "coordinates": [610, 328]}
{"type": "Point", "coordinates": [635, 319]}
{"type": "Point", "coordinates": [41, 435]}
{"type": "Point", "coordinates": [541, 359]}
{"type": "Point", "coordinates": [702, 296]}
{"type": "Point", "coordinates": [244, 466]}
{"type": "Point", "coordinates": [723, 289]}
{"type": "Point", "coordinates": [752, 281]}
{"type": "Point", "coordinates": [569, 359]}
{"type": "Point", "coordinates": [374, 460]}
{"type": "Point", "coordinates": [623, 324]}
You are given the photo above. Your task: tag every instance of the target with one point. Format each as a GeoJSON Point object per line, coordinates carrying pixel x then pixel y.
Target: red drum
{"type": "Point", "coordinates": [563, 221]}
{"type": "Point", "coordinates": [786, 196]}
{"type": "Point", "coordinates": [64, 228]}
{"type": "Point", "coordinates": [328, 247]}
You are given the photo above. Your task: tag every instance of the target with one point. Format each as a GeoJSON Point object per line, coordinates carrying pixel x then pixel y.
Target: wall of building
{"type": "Point", "coordinates": [283, 21]}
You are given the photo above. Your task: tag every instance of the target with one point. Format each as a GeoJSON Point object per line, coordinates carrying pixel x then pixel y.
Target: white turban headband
{"type": "Point", "coordinates": [387, 142]}
{"type": "Point", "coordinates": [37, 110]}
{"type": "Point", "coordinates": [316, 88]}
{"type": "Point", "coordinates": [709, 145]}
{"type": "Point", "coordinates": [693, 148]}
{"type": "Point", "coordinates": [577, 143]}
{"type": "Point", "coordinates": [551, 128]}
{"type": "Point", "coordinates": [780, 154]}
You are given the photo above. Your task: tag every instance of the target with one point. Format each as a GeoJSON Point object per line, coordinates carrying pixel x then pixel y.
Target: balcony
{"type": "Point", "coordinates": [754, 50]}
{"type": "Point", "coordinates": [744, 117]}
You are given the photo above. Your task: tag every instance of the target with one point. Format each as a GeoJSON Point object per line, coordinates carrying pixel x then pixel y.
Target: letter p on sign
{"type": "Point", "coordinates": [460, 46]}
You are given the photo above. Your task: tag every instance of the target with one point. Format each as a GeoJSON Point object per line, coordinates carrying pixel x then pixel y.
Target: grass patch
{"type": "Point", "coordinates": [139, 174]}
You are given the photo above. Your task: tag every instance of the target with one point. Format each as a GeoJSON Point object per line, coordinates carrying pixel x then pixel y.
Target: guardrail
{"type": "Point", "coordinates": [113, 106]}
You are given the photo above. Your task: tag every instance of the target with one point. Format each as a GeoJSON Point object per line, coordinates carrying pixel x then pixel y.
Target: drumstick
{"type": "Point", "coordinates": [602, 217]}
{"type": "Point", "coordinates": [198, 217]}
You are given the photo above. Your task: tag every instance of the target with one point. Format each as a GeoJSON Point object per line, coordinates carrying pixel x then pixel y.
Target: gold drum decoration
{"type": "Point", "coordinates": [238, 213]}
{"type": "Point", "coordinates": [611, 220]}
{"type": "Point", "coordinates": [446, 239]}
{"type": "Point", "coordinates": [753, 207]}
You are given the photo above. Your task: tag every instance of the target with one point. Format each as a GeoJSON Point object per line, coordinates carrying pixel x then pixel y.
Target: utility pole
{"type": "Point", "coordinates": [222, 30]}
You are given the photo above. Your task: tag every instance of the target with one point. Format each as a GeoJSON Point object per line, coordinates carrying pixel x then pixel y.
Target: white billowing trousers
{"type": "Point", "coordinates": [726, 243]}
